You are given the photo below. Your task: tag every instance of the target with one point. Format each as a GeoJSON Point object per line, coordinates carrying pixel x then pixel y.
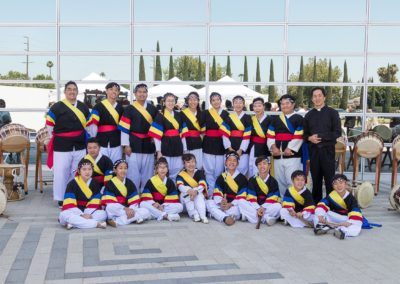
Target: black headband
{"type": "Point", "coordinates": [118, 162]}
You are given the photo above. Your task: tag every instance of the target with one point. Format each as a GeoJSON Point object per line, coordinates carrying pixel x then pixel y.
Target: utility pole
{"type": "Point", "coordinates": [27, 56]}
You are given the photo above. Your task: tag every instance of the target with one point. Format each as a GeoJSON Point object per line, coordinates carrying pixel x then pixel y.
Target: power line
{"type": "Point", "coordinates": [27, 56]}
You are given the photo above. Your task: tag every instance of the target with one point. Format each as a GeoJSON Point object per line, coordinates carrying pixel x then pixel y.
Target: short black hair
{"type": "Point", "coordinates": [2, 103]}
{"type": "Point", "coordinates": [262, 158]}
{"type": "Point", "coordinates": [213, 94]}
{"type": "Point", "coordinates": [322, 89]}
{"type": "Point", "coordinates": [258, 99]}
{"type": "Point", "coordinates": [297, 173]}
{"type": "Point", "coordinates": [187, 157]}
{"type": "Point", "coordinates": [70, 83]}
{"type": "Point", "coordinates": [113, 84]}
{"type": "Point", "coordinates": [138, 86]}
{"type": "Point", "coordinates": [93, 140]}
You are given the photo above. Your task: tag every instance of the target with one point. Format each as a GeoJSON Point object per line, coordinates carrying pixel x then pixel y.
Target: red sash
{"type": "Point", "coordinates": [193, 133]}
{"type": "Point", "coordinates": [140, 135]}
{"type": "Point", "coordinates": [107, 128]}
{"type": "Point", "coordinates": [258, 140]}
{"type": "Point", "coordinates": [171, 132]}
{"type": "Point", "coordinates": [50, 146]}
{"type": "Point", "coordinates": [213, 133]}
{"type": "Point", "coordinates": [236, 133]}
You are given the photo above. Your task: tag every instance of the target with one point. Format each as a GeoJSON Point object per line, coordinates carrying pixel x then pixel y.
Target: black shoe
{"type": "Point", "coordinates": [321, 229]}
{"type": "Point", "coordinates": [60, 204]}
{"type": "Point", "coordinates": [339, 234]}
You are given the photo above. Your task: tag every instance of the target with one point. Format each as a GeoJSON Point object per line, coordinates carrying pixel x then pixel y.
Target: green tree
{"type": "Point", "coordinates": [361, 95]}
{"type": "Point", "coordinates": [272, 95]}
{"type": "Point", "coordinates": [345, 94]}
{"type": "Point", "coordinates": [200, 70]}
{"type": "Point", "coordinates": [171, 73]}
{"type": "Point", "coordinates": [213, 76]}
{"type": "Point", "coordinates": [388, 75]}
{"type": "Point", "coordinates": [158, 72]}
{"type": "Point", "coordinates": [186, 68]}
{"type": "Point", "coordinates": [142, 72]}
{"type": "Point", "coordinates": [300, 89]}
{"type": "Point", "coordinates": [371, 96]}
{"type": "Point", "coordinates": [245, 71]}
{"type": "Point", "coordinates": [43, 77]}
{"type": "Point", "coordinates": [258, 76]}
{"type": "Point", "coordinates": [50, 65]}
{"type": "Point", "coordinates": [102, 74]}
{"type": "Point", "coordinates": [329, 88]}
{"type": "Point", "coordinates": [228, 67]}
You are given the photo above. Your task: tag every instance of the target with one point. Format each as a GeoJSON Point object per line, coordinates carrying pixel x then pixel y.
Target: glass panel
{"type": "Point", "coordinates": [39, 67]}
{"type": "Point", "coordinates": [110, 67]}
{"type": "Point", "coordinates": [383, 99]}
{"type": "Point", "coordinates": [192, 39]}
{"type": "Point", "coordinates": [17, 39]}
{"type": "Point", "coordinates": [326, 39]}
{"type": "Point", "coordinates": [95, 39]}
{"type": "Point", "coordinates": [355, 69]}
{"type": "Point", "coordinates": [377, 68]}
{"type": "Point", "coordinates": [185, 68]}
{"type": "Point", "coordinates": [94, 11]}
{"type": "Point", "coordinates": [167, 11]}
{"type": "Point", "coordinates": [246, 39]}
{"type": "Point", "coordinates": [237, 67]}
{"type": "Point", "coordinates": [381, 39]}
{"type": "Point", "coordinates": [238, 11]}
{"type": "Point", "coordinates": [384, 11]}
{"type": "Point", "coordinates": [21, 11]}
{"type": "Point", "coordinates": [317, 10]}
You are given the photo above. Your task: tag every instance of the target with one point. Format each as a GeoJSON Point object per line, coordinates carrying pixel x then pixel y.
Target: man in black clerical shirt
{"type": "Point", "coordinates": [321, 129]}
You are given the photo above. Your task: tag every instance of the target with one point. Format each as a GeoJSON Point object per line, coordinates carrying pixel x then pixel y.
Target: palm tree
{"type": "Point", "coordinates": [102, 74]}
{"type": "Point", "coordinates": [50, 65]}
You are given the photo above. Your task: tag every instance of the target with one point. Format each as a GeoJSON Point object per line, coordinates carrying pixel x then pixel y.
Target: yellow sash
{"type": "Point", "coordinates": [84, 187]}
{"type": "Point", "coordinates": [338, 199]}
{"type": "Point", "coordinates": [77, 112]}
{"type": "Point", "coordinates": [190, 180]}
{"type": "Point", "coordinates": [215, 115]}
{"type": "Point", "coordinates": [235, 119]}
{"type": "Point", "coordinates": [120, 186]}
{"type": "Point", "coordinates": [283, 119]}
{"type": "Point", "coordinates": [293, 192]}
{"type": "Point", "coordinates": [171, 119]}
{"type": "Point", "coordinates": [262, 185]}
{"type": "Point", "coordinates": [111, 110]}
{"type": "Point", "coordinates": [257, 127]}
{"type": "Point", "coordinates": [159, 185]}
{"type": "Point", "coordinates": [193, 119]}
{"type": "Point", "coordinates": [231, 182]}
{"type": "Point", "coordinates": [143, 111]}
{"type": "Point", "coordinates": [95, 166]}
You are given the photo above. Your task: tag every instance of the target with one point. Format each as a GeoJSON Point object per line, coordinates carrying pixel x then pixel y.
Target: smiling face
{"type": "Point", "coordinates": [299, 182]}
{"type": "Point", "coordinates": [216, 102]}
{"type": "Point", "coordinates": [93, 149]}
{"type": "Point", "coordinates": [190, 165]}
{"type": "Point", "coordinates": [121, 170]}
{"type": "Point", "coordinates": [170, 103]}
{"type": "Point", "coordinates": [340, 186]}
{"type": "Point", "coordinates": [231, 163]}
{"type": "Point", "coordinates": [258, 107]}
{"type": "Point", "coordinates": [263, 167]}
{"type": "Point", "coordinates": [86, 172]}
{"type": "Point", "coordinates": [71, 92]}
{"type": "Point", "coordinates": [287, 106]}
{"type": "Point", "coordinates": [112, 93]}
{"type": "Point", "coordinates": [193, 102]}
{"type": "Point", "coordinates": [162, 170]}
{"type": "Point", "coordinates": [238, 105]}
{"type": "Point", "coordinates": [141, 94]}
{"type": "Point", "coordinates": [318, 98]}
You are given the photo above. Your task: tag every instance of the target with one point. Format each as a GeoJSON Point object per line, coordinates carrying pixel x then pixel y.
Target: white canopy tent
{"type": "Point", "coordinates": [228, 91]}
{"type": "Point", "coordinates": [179, 90]}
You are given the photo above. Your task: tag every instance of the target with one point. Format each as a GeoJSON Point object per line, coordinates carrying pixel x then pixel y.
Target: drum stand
{"type": "Point", "coordinates": [40, 148]}
{"type": "Point", "coordinates": [377, 168]}
{"type": "Point", "coordinates": [395, 162]}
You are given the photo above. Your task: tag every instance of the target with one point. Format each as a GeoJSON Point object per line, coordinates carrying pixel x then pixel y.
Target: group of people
{"type": "Point", "coordinates": [231, 165]}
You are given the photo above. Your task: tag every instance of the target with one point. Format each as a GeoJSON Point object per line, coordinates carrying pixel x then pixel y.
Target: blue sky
{"type": "Point", "coordinates": [193, 39]}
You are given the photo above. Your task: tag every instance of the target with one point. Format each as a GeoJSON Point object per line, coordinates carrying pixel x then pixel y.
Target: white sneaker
{"type": "Point", "coordinates": [204, 220]}
{"type": "Point", "coordinates": [196, 218]}
{"type": "Point", "coordinates": [102, 225]}
{"type": "Point", "coordinates": [112, 223]}
{"type": "Point", "coordinates": [139, 221]}
{"type": "Point", "coordinates": [270, 221]}
{"type": "Point", "coordinates": [69, 226]}
{"type": "Point", "coordinates": [173, 217]}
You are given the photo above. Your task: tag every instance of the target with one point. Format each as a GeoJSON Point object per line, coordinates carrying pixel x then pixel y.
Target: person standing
{"type": "Point", "coordinates": [138, 146]}
{"type": "Point", "coordinates": [321, 129]}
{"type": "Point", "coordinates": [103, 123]}
{"type": "Point", "coordinates": [66, 124]}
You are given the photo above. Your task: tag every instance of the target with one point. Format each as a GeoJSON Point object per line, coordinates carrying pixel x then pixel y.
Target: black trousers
{"type": "Point", "coordinates": [322, 166]}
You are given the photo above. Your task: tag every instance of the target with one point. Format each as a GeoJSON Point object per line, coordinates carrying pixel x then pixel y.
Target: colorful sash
{"type": "Point", "coordinates": [257, 127]}
{"type": "Point", "coordinates": [262, 185]}
{"type": "Point", "coordinates": [159, 185]}
{"type": "Point", "coordinates": [190, 180]}
{"type": "Point", "coordinates": [84, 187]}
{"type": "Point", "coordinates": [111, 110]}
{"type": "Point", "coordinates": [287, 123]}
{"type": "Point", "coordinates": [50, 145]}
{"type": "Point", "coordinates": [143, 111]}
{"type": "Point", "coordinates": [338, 199]}
{"type": "Point", "coordinates": [120, 186]}
{"type": "Point", "coordinates": [231, 182]}
{"type": "Point", "coordinates": [193, 119]}
{"type": "Point", "coordinates": [95, 166]}
{"type": "Point", "coordinates": [77, 112]}
{"type": "Point", "coordinates": [236, 120]}
{"type": "Point", "coordinates": [215, 115]}
{"type": "Point", "coordinates": [171, 119]}
{"type": "Point", "coordinates": [296, 196]}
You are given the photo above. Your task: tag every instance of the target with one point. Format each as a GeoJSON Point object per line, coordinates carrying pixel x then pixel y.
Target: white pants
{"type": "Point", "coordinates": [175, 165]}
{"type": "Point", "coordinates": [117, 212]}
{"type": "Point", "coordinates": [198, 153]}
{"type": "Point", "coordinates": [252, 163]}
{"type": "Point", "coordinates": [114, 153]}
{"type": "Point", "coordinates": [72, 216]}
{"type": "Point", "coordinates": [140, 169]}
{"type": "Point", "coordinates": [243, 166]}
{"type": "Point", "coordinates": [195, 207]}
{"type": "Point", "coordinates": [213, 166]}
{"type": "Point", "coordinates": [352, 231]}
{"type": "Point", "coordinates": [271, 210]}
{"type": "Point", "coordinates": [169, 208]}
{"type": "Point", "coordinates": [283, 172]}
{"type": "Point", "coordinates": [218, 214]}
{"type": "Point", "coordinates": [65, 164]}
{"type": "Point", "coordinates": [296, 222]}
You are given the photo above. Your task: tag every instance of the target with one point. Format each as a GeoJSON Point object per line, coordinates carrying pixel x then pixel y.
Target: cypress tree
{"type": "Point", "coordinates": [329, 88]}
{"type": "Point", "coordinates": [345, 92]}
{"type": "Point", "coordinates": [373, 96]}
{"type": "Point", "coordinates": [213, 76]}
{"type": "Point", "coordinates": [300, 89]}
{"type": "Point", "coordinates": [245, 71]}
{"type": "Point", "coordinates": [228, 66]}
{"type": "Point", "coordinates": [171, 73]}
{"type": "Point", "coordinates": [142, 73]}
{"type": "Point", "coordinates": [271, 89]}
{"type": "Point", "coordinates": [362, 95]}
{"type": "Point", "coordinates": [158, 73]}
{"type": "Point", "coordinates": [199, 73]}
{"type": "Point", "coordinates": [258, 76]}
{"type": "Point", "coordinates": [388, 98]}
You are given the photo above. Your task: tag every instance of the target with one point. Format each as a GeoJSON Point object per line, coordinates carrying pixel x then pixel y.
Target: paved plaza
{"type": "Point", "coordinates": [34, 248]}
